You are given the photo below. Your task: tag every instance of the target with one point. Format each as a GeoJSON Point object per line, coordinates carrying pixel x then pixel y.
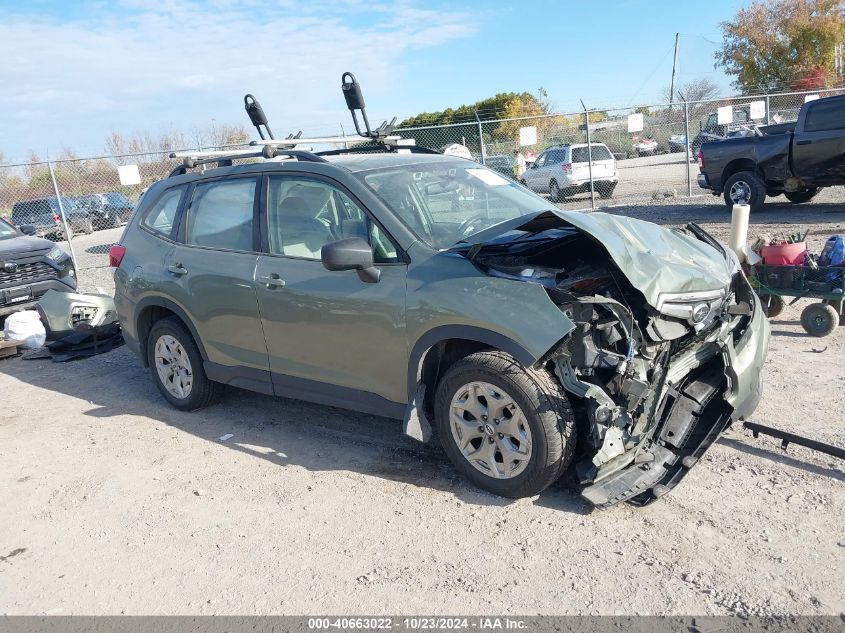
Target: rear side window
{"type": "Point", "coordinates": [221, 215]}
{"type": "Point", "coordinates": [581, 155]}
{"type": "Point", "coordinates": [825, 115]}
{"type": "Point", "coordinates": [162, 215]}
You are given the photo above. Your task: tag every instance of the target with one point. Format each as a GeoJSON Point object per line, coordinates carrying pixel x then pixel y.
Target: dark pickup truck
{"type": "Point", "coordinates": [793, 159]}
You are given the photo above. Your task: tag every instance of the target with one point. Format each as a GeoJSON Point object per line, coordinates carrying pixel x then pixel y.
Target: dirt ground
{"type": "Point", "coordinates": [113, 502]}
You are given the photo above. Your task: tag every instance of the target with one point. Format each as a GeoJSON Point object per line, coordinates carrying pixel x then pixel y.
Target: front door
{"type": "Point", "coordinates": [331, 336]}
{"type": "Point", "coordinates": [210, 272]}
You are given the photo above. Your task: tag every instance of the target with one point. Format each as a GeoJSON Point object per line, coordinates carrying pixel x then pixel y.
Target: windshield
{"type": "Point", "coordinates": [6, 231]}
{"type": "Point", "coordinates": [448, 201]}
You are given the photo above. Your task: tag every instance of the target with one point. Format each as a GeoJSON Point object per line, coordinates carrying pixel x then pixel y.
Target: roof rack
{"type": "Point", "coordinates": [368, 140]}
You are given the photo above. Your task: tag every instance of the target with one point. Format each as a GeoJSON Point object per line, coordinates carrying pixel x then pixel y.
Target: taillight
{"type": "Point", "coordinates": [567, 168]}
{"type": "Point", "coordinates": [700, 159]}
{"type": "Point", "coordinates": [116, 253]}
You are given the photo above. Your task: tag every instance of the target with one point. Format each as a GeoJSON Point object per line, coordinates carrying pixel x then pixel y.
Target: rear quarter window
{"type": "Point", "coordinates": [599, 152]}
{"type": "Point", "coordinates": [162, 215]}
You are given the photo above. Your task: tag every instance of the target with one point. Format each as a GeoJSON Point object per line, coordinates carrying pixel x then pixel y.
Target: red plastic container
{"type": "Point", "coordinates": [784, 254]}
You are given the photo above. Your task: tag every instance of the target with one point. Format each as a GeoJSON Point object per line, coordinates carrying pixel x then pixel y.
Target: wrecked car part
{"type": "Point", "coordinates": [63, 312]}
{"type": "Point", "coordinates": [82, 342]}
{"type": "Point", "coordinates": [790, 438]}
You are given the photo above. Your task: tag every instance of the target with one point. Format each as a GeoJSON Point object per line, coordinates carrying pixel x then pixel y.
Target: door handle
{"type": "Point", "coordinates": [177, 269]}
{"type": "Point", "coordinates": [272, 281]}
{"type": "Point", "coordinates": [804, 142]}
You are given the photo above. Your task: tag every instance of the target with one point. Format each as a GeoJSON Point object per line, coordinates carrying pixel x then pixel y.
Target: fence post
{"type": "Point", "coordinates": [68, 236]}
{"type": "Point", "coordinates": [687, 144]}
{"type": "Point", "coordinates": [589, 158]}
{"type": "Point", "coordinates": [481, 138]}
{"type": "Point", "coordinates": [768, 112]}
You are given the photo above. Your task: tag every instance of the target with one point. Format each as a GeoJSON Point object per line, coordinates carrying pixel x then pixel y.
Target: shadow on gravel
{"type": "Point", "coordinates": [281, 431]}
{"type": "Point", "coordinates": [782, 458]}
{"type": "Point", "coordinates": [99, 249]}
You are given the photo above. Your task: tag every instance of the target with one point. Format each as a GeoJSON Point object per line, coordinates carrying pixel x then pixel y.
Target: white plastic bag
{"type": "Point", "coordinates": [25, 326]}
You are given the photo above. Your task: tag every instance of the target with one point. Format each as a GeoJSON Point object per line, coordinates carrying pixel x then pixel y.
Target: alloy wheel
{"type": "Point", "coordinates": [490, 430]}
{"type": "Point", "coordinates": [740, 192]}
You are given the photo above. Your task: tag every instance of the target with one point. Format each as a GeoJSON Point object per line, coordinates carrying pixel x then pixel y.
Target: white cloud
{"type": "Point", "coordinates": [152, 63]}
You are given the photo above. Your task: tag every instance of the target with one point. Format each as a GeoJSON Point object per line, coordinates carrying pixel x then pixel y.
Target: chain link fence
{"type": "Point", "coordinates": [84, 199]}
{"type": "Point", "coordinates": [653, 159]}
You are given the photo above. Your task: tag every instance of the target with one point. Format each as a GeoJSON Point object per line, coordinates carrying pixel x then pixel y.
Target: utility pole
{"type": "Point", "coordinates": [674, 66]}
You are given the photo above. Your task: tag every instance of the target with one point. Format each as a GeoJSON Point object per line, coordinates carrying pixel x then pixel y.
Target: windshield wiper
{"type": "Point", "coordinates": [705, 237]}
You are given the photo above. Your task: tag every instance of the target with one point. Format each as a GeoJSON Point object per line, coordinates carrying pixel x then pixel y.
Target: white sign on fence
{"type": "Point", "coordinates": [810, 98]}
{"type": "Point", "coordinates": [129, 175]}
{"type": "Point", "coordinates": [758, 110]}
{"type": "Point", "coordinates": [635, 122]}
{"type": "Point", "coordinates": [528, 135]}
{"type": "Point", "coordinates": [725, 115]}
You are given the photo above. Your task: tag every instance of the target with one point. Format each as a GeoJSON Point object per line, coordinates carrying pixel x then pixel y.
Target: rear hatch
{"type": "Point", "coordinates": [603, 164]}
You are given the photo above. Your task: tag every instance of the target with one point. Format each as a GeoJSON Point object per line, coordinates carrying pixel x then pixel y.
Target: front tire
{"type": "Point", "coordinates": [800, 197]}
{"type": "Point", "coordinates": [176, 366]}
{"type": "Point", "coordinates": [745, 187]}
{"type": "Point", "coordinates": [773, 305]}
{"type": "Point", "coordinates": [508, 429]}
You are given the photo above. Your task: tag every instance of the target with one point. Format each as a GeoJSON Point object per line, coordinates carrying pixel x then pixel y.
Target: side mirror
{"type": "Point", "coordinates": [27, 229]}
{"type": "Point", "coordinates": [353, 253]}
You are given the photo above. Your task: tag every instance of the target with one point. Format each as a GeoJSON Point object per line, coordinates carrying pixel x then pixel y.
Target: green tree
{"type": "Point", "coordinates": [782, 44]}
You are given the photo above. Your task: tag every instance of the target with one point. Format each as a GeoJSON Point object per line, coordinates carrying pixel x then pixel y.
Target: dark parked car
{"type": "Point", "coordinates": [29, 267]}
{"type": "Point", "coordinates": [106, 210]}
{"type": "Point", "coordinates": [44, 215]}
{"type": "Point", "coordinates": [793, 159]}
{"type": "Point", "coordinates": [500, 163]}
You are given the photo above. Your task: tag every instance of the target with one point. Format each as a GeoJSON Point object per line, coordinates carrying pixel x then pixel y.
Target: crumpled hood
{"type": "Point", "coordinates": [655, 260]}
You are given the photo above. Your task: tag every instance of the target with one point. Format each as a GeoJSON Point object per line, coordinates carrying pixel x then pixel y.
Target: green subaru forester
{"type": "Point", "coordinates": [431, 289]}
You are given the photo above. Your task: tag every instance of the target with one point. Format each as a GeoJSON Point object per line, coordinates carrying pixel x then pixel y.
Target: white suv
{"type": "Point", "coordinates": [564, 170]}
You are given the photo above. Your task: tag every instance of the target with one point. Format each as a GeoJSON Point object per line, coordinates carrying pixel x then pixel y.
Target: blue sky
{"type": "Point", "coordinates": [74, 71]}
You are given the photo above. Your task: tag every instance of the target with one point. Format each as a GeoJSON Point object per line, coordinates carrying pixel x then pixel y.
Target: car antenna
{"type": "Point", "coordinates": [257, 116]}
{"type": "Point", "coordinates": [355, 101]}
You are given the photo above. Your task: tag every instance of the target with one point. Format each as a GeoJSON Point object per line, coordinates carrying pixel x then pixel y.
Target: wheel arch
{"type": "Point", "coordinates": [152, 309]}
{"type": "Point", "coordinates": [440, 347]}
{"type": "Point", "coordinates": [738, 165]}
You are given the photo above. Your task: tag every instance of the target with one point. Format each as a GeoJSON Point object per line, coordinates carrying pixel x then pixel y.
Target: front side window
{"type": "Point", "coordinates": [6, 230]}
{"type": "Point", "coordinates": [221, 215]}
{"type": "Point", "coordinates": [303, 215]}
{"type": "Point", "coordinates": [162, 215]}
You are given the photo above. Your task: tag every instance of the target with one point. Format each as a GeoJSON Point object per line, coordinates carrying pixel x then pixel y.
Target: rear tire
{"type": "Point", "coordinates": [539, 410]}
{"type": "Point", "coordinates": [745, 187]}
{"type": "Point", "coordinates": [555, 194]}
{"type": "Point", "coordinates": [800, 197]}
{"type": "Point", "coordinates": [606, 191]}
{"type": "Point", "coordinates": [819, 319]}
{"type": "Point", "coordinates": [202, 391]}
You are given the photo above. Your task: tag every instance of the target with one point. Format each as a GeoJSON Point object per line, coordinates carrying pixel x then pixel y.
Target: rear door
{"type": "Point", "coordinates": [210, 271]}
{"type": "Point", "coordinates": [818, 147]}
{"type": "Point", "coordinates": [329, 334]}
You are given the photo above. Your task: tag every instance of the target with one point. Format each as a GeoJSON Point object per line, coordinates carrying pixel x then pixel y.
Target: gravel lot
{"type": "Point", "coordinates": [115, 503]}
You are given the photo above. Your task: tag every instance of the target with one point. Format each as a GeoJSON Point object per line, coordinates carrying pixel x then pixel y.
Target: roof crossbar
{"type": "Point", "coordinates": [224, 158]}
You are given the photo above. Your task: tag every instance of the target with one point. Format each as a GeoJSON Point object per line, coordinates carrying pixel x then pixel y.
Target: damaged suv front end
{"type": "Point", "coordinates": [667, 344]}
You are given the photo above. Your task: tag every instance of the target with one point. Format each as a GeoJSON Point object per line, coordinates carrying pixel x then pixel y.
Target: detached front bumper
{"type": "Point", "coordinates": [716, 382]}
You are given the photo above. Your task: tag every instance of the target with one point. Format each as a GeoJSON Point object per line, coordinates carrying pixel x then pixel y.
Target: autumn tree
{"type": "Point", "coordinates": [782, 44]}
